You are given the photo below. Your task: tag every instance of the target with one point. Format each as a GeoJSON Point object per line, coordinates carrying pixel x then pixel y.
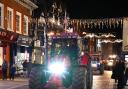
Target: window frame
{"type": "Point", "coordinates": [26, 19]}
{"type": "Point", "coordinates": [19, 14]}
{"type": "Point", "coordinates": [2, 15]}
{"type": "Point", "coordinates": [10, 10]}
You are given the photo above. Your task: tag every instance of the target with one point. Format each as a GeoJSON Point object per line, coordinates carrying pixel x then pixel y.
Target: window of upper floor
{"type": "Point", "coordinates": [18, 22]}
{"type": "Point", "coordinates": [9, 19]}
{"type": "Point", "coordinates": [1, 15]}
{"type": "Point", "coordinates": [25, 25]}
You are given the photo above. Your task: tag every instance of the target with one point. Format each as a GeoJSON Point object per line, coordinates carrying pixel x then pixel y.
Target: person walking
{"type": "Point", "coordinates": [12, 72]}
{"type": "Point", "coordinates": [25, 65]}
{"type": "Point", "coordinates": [120, 74]}
{"type": "Point", "coordinates": [115, 71]}
{"type": "Point", "coordinates": [126, 74]}
{"type": "Point", "coordinates": [4, 70]}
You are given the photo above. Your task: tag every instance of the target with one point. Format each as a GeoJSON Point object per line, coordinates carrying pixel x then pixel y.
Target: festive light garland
{"type": "Point", "coordinates": [80, 25]}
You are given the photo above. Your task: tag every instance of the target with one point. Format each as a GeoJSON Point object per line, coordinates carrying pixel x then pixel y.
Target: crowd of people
{"type": "Point", "coordinates": [120, 73]}
{"type": "Point", "coordinates": [5, 67]}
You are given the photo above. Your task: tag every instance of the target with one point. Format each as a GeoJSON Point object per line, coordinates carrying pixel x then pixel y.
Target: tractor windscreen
{"type": "Point", "coordinates": [65, 46]}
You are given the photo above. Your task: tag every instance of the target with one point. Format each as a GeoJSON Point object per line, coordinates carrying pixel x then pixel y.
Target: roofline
{"type": "Point", "coordinates": [27, 3]}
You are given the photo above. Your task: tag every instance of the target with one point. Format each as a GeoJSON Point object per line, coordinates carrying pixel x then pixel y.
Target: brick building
{"type": "Point", "coordinates": [15, 18]}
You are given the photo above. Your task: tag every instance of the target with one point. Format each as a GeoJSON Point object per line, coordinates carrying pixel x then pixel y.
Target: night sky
{"type": "Point", "coordinates": [86, 9]}
{"type": "Point", "coordinates": [83, 9]}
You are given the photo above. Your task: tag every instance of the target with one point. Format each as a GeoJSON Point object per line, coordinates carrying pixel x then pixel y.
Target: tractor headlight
{"type": "Point", "coordinates": [57, 68]}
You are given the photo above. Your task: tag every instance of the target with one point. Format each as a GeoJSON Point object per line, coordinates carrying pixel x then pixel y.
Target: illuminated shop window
{"type": "Point", "coordinates": [1, 56]}
{"type": "Point", "coordinates": [18, 22]}
{"type": "Point", "coordinates": [10, 19]}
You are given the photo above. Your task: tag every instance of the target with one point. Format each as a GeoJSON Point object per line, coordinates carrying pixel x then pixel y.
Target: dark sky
{"type": "Point", "coordinates": [82, 9]}
{"type": "Point", "coordinates": [96, 8]}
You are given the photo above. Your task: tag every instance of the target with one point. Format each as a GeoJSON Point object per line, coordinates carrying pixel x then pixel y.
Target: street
{"type": "Point", "coordinates": [18, 83]}
{"type": "Point", "coordinates": [103, 81]}
{"type": "Point", "coordinates": [99, 82]}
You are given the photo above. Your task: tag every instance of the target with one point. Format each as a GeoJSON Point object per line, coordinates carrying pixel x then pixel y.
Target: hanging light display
{"type": "Point", "coordinates": [109, 23]}
{"type": "Point", "coordinates": [111, 41]}
{"type": "Point", "coordinates": [107, 35]}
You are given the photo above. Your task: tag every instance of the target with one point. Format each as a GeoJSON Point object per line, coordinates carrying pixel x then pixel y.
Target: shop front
{"type": "Point", "coordinates": [24, 51]}
{"type": "Point", "coordinates": [7, 38]}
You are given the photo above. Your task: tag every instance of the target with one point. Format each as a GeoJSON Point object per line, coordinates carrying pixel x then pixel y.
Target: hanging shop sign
{"type": "Point", "coordinates": [24, 40]}
{"type": "Point", "coordinates": [7, 36]}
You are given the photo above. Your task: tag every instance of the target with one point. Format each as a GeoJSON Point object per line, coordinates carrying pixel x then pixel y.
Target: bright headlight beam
{"type": "Point", "coordinates": [57, 68]}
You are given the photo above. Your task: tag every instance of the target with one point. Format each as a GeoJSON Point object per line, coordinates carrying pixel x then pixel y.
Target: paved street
{"type": "Point", "coordinates": [13, 84]}
{"type": "Point", "coordinates": [99, 82]}
{"type": "Point", "coordinates": [103, 81]}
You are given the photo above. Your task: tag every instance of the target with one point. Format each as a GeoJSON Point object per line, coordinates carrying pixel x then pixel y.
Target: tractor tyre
{"type": "Point", "coordinates": [37, 78]}
{"type": "Point", "coordinates": [79, 78]}
{"type": "Point", "coordinates": [67, 81]}
{"type": "Point", "coordinates": [89, 78]}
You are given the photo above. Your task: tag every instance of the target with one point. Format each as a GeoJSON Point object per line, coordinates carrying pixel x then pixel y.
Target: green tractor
{"type": "Point", "coordinates": [63, 68]}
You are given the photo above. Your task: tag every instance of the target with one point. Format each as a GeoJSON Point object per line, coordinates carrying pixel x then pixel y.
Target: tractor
{"type": "Point", "coordinates": [64, 68]}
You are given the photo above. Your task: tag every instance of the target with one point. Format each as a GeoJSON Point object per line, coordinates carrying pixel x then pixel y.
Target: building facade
{"type": "Point", "coordinates": [15, 18]}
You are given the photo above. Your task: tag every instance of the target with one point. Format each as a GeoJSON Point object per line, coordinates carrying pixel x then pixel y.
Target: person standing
{"type": "Point", "coordinates": [12, 72]}
{"type": "Point", "coordinates": [115, 71]}
{"type": "Point", "coordinates": [4, 70]}
{"type": "Point", "coordinates": [120, 74]}
{"type": "Point", "coordinates": [126, 73]}
{"type": "Point", "coordinates": [25, 65]}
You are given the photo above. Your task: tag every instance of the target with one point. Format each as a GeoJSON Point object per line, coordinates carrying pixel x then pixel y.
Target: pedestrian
{"type": "Point", "coordinates": [25, 65]}
{"type": "Point", "coordinates": [115, 72]}
{"type": "Point", "coordinates": [120, 74]}
{"type": "Point", "coordinates": [4, 70]}
{"type": "Point", "coordinates": [126, 73]}
{"type": "Point", "coordinates": [12, 72]}
{"type": "Point", "coordinates": [29, 66]}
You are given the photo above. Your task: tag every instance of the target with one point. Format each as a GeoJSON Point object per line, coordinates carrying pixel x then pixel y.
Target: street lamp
{"type": "Point", "coordinates": [43, 23]}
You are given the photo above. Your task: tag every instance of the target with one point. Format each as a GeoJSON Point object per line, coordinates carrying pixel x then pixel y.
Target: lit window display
{"type": "Point", "coordinates": [1, 56]}
{"type": "Point", "coordinates": [20, 59]}
{"type": "Point", "coordinates": [126, 58]}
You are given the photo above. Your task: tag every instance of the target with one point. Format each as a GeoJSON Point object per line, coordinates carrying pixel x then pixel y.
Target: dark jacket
{"type": "Point", "coordinates": [25, 64]}
{"type": "Point", "coordinates": [13, 70]}
{"type": "Point", "coordinates": [4, 66]}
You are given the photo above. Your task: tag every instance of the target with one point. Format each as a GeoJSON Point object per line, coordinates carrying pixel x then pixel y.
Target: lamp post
{"type": "Point", "coordinates": [43, 23]}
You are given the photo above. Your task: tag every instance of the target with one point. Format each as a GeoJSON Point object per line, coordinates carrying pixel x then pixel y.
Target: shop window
{"type": "Point", "coordinates": [1, 55]}
{"type": "Point", "coordinates": [18, 22]}
{"type": "Point", "coordinates": [1, 15]}
{"type": "Point", "coordinates": [25, 25]}
{"type": "Point", "coordinates": [22, 49]}
{"type": "Point", "coordinates": [9, 19]}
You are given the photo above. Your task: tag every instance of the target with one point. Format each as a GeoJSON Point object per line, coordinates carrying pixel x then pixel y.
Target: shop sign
{"type": "Point", "coordinates": [7, 36]}
{"type": "Point", "coordinates": [24, 40]}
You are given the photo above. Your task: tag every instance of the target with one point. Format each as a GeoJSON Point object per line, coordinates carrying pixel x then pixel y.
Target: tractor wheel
{"type": "Point", "coordinates": [37, 78]}
{"type": "Point", "coordinates": [67, 81]}
{"type": "Point", "coordinates": [89, 78]}
{"type": "Point", "coordinates": [79, 78]}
